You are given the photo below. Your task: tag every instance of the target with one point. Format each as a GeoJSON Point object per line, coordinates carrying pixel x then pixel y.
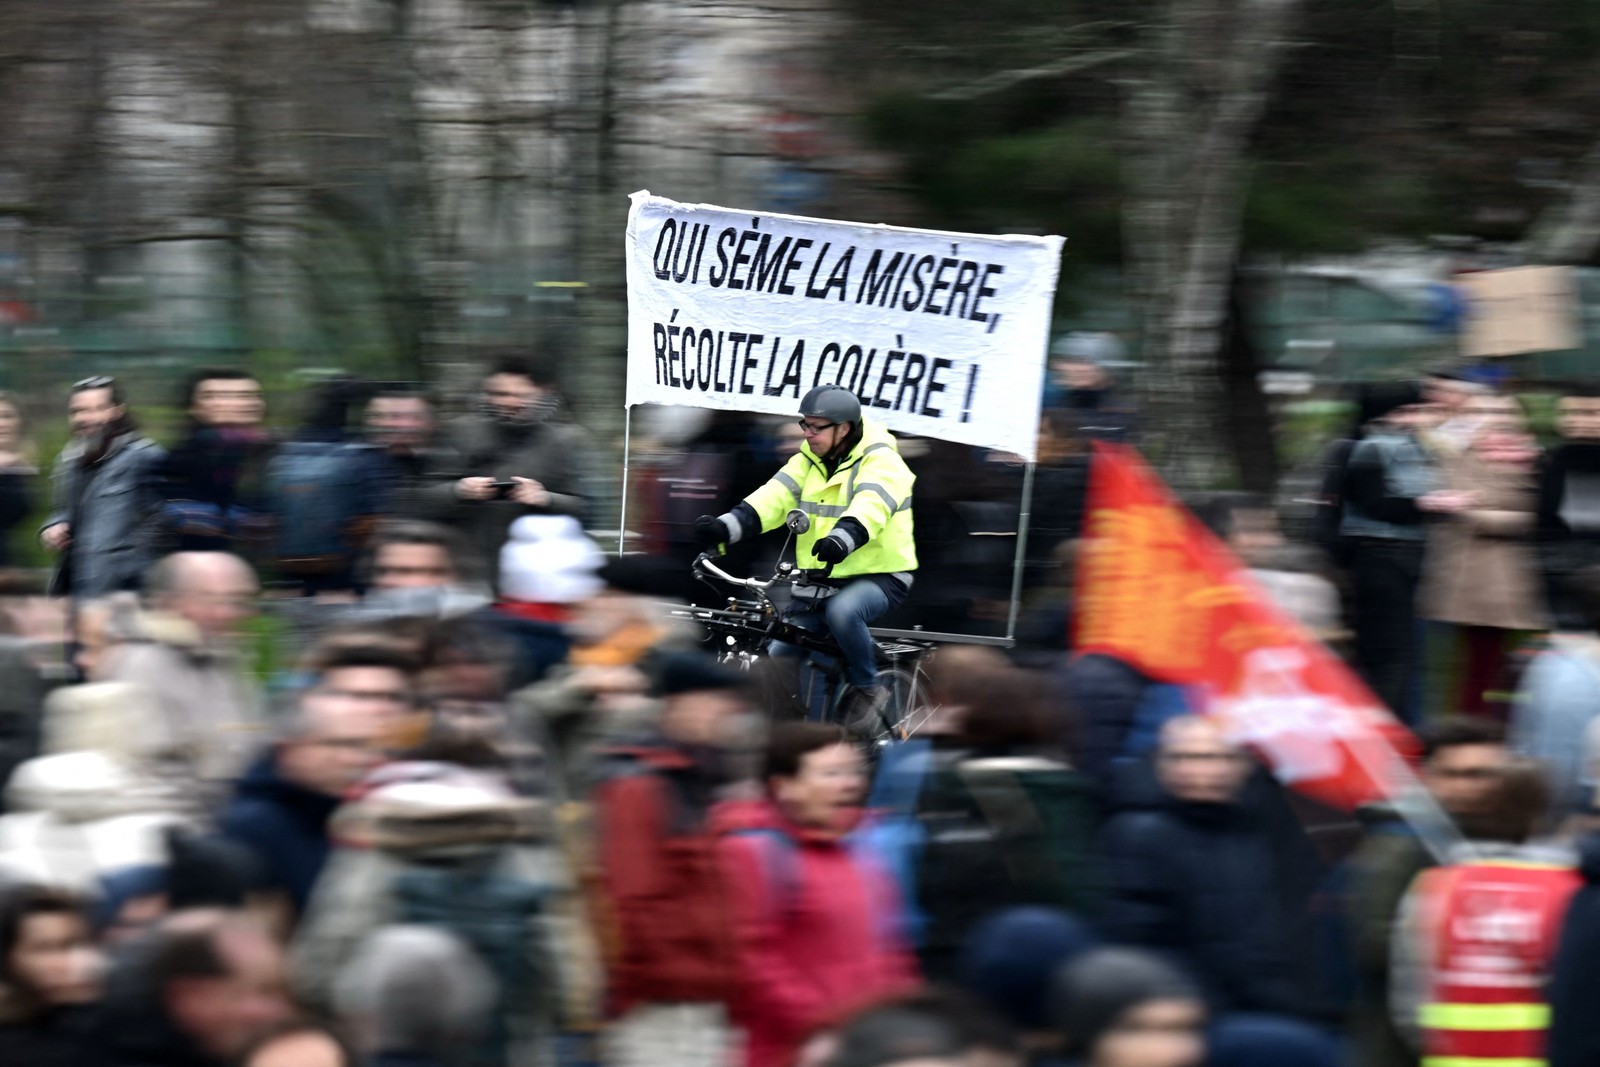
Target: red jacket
{"type": "Point", "coordinates": [816, 928]}
{"type": "Point", "coordinates": [663, 887]}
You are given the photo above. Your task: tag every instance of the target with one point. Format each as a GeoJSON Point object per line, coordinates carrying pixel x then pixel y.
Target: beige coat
{"type": "Point", "coordinates": [1480, 568]}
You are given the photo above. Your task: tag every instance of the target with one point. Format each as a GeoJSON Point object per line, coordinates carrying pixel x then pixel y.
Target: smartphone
{"type": "Point", "coordinates": [502, 490]}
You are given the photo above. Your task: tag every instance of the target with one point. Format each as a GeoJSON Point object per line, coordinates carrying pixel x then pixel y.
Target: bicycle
{"type": "Point", "coordinates": [748, 627]}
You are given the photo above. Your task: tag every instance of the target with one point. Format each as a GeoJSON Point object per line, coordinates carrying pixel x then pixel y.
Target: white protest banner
{"type": "Point", "coordinates": [940, 334]}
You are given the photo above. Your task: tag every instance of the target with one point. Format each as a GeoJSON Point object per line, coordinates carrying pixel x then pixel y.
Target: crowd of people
{"type": "Point", "coordinates": [350, 746]}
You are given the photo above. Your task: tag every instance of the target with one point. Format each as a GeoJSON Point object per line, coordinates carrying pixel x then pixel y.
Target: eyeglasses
{"type": "Point", "coordinates": [811, 428]}
{"type": "Point", "coordinates": [98, 381]}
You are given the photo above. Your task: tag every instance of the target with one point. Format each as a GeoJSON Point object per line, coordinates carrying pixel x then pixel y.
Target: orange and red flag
{"type": "Point", "coordinates": [1157, 590]}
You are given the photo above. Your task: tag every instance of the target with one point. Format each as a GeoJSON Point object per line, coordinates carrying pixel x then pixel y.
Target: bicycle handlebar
{"type": "Point", "coordinates": [702, 562]}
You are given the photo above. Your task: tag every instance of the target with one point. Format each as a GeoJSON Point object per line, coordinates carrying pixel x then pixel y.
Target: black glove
{"type": "Point", "coordinates": [710, 531]}
{"type": "Point", "coordinates": [831, 549]}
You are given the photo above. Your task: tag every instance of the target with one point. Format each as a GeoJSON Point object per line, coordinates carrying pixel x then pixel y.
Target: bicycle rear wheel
{"type": "Point", "coordinates": [905, 709]}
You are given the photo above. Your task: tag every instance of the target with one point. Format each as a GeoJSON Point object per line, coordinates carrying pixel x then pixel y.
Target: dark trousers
{"type": "Point", "coordinates": [1384, 576]}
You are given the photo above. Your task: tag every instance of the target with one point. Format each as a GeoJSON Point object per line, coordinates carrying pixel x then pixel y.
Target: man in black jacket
{"type": "Point", "coordinates": [1195, 876]}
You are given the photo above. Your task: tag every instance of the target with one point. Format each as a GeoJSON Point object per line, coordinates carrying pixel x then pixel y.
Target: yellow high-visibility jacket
{"type": "Point", "coordinates": [871, 485]}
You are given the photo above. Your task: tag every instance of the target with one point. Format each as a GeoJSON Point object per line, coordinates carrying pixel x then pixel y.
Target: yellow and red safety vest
{"type": "Point", "coordinates": [1491, 928]}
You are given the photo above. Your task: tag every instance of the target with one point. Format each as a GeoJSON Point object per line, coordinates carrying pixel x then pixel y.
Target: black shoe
{"type": "Point", "coordinates": [862, 713]}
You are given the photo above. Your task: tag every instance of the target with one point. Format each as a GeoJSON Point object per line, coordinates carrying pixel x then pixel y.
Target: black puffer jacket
{"type": "Point", "coordinates": [1198, 882]}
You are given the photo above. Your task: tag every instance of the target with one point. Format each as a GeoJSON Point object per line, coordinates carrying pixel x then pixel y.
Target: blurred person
{"type": "Point", "coordinates": [1477, 938]}
{"type": "Point", "coordinates": [1011, 958]}
{"type": "Point", "coordinates": [1195, 876]}
{"type": "Point", "coordinates": [106, 498]}
{"type": "Point", "coordinates": [415, 996]}
{"type": "Point", "coordinates": [330, 741]}
{"type": "Point", "coordinates": [1460, 759]}
{"type": "Point", "coordinates": [1558, 702]}
{"type": "Point", "coordinates": [415, 568]}
{"type": "Point", "coordinates": [425, 840]}
{"type": "Point", "coordinates": [1126, 1007]}
{"type": "Point", "coordinates": [49, 977]}
{"type": "Point", "coordinates": [196, 991]}
{"type": "Point", "coordinates": [1454, 398]}
{"type": "Point", "coordinates": [213, 480]}
{"type": "Point", "coordinates": [1569, 504]}
{"type": "Point", "coordinates": [850, 479]}
{"type": "Point", "coordinates": [75, 817]}
{"type": "Point", "coordinates": [602, 689]}
{"type": "Point", "coordinates": [548, 566]}
{"type": "Point", "coordinates": [401, 423]}
{"type": "Point", "coordinates": [672, 961]}
{"type": "Point", "coordinates": [992, 816]}
{"type": "Point", "coordinates": [1480, 577]}
{"type": "Point", "coordinates": [931, 1028]}
{"type": "Point", "coordinates": [816, 924]}
{"type": "Point", "coordinates": [200, 714]}
{"type": "Point", "coordinates": [298, 1044]}
{"type": "Point", "coordinates": [323, 489]}
{"type": "Point", "coordinates": [1248, 526]}
{"type": "Point", "coordinates": [519, 437]}
{"type": "Point", "coordinates": [1390, 489]}
{"type": "Point", "coordinates": [18, 469]}
{"type": "Point", "coordinates": [1080, 381]}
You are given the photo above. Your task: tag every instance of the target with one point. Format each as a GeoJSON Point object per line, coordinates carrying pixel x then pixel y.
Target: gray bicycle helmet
{"type": "Point", "coordinates": [832, 402]}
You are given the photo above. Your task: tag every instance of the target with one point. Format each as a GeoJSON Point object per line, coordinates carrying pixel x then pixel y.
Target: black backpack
{"type": "Point", "coordinates": [496, 916]}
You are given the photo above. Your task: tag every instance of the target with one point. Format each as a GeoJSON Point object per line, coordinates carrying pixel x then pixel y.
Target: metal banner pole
{"type": "Point", "coordinates": [1022, 552]}
{"type": "Point", "coordinates": [627, 444]}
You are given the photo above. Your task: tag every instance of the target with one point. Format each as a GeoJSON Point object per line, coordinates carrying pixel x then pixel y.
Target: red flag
{"type": "Point", "coordinates": [1157, 590]}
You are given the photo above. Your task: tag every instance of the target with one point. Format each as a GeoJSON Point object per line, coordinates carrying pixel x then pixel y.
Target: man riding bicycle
{"type": "Point", "coordinates": [848, 477]}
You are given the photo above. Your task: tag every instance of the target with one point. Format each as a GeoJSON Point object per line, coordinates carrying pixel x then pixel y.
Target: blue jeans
{"type": "Point", "coordinates": [846, 614]}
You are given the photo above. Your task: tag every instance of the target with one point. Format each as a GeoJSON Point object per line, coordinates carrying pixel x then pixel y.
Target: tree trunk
{"type": "Point", "coordinates": [1188, 117]}
{"type": "Point", "coordinates": [1247, 417]}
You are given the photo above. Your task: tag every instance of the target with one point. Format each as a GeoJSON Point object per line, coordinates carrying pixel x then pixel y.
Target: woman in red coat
{"type": "Point", "coordinates": [816, 922]}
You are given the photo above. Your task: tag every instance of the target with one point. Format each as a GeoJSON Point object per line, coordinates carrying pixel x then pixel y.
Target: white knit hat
{"type": "Point", "coordinates": [549, 560]}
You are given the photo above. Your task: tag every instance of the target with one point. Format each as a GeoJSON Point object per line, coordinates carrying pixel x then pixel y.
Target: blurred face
{"type": "Point", "coordinates": [827, 792]}
{"type": "Point", "coordinates": [1461, 777]}
{"type": "Point", "coordinates": [399, 422]}
{"type": "Point", "coordinates": [511, 395]}
{"type": "Point", "coordinates": [1160, 1033]}
{"type": "Point", "coordinates": [218, 597]}
{"type": "Point", "coordinates": [299, 1050]}
{"type": "Point", "coordinates": [1505, 447]}
{"type": "Point", "coordinates": [55, 958]}
{"type": "Point", "coordinates": [1078, 375]}
{"type": "Point", "coordinates": [823, 436]}
{"type": "Point", "coordinates": [412, 567]}
{"type": "Point", "coordinates": [1196, 765]}
{"type": "Point", "coordinates": [601, 616]}
{"type": "Point", "coordinates": [351, 711]}
{"type": "Point", "coordinates": [1579, 417]}
{"type": "Point", "coordinates": [91, 411]}
{"type": "Point", "coordinates": [702, 718]}
{"type": "Point", "coordinates": [228, 402]}
{"type": "Point", "coordinates": [224, 1014]}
